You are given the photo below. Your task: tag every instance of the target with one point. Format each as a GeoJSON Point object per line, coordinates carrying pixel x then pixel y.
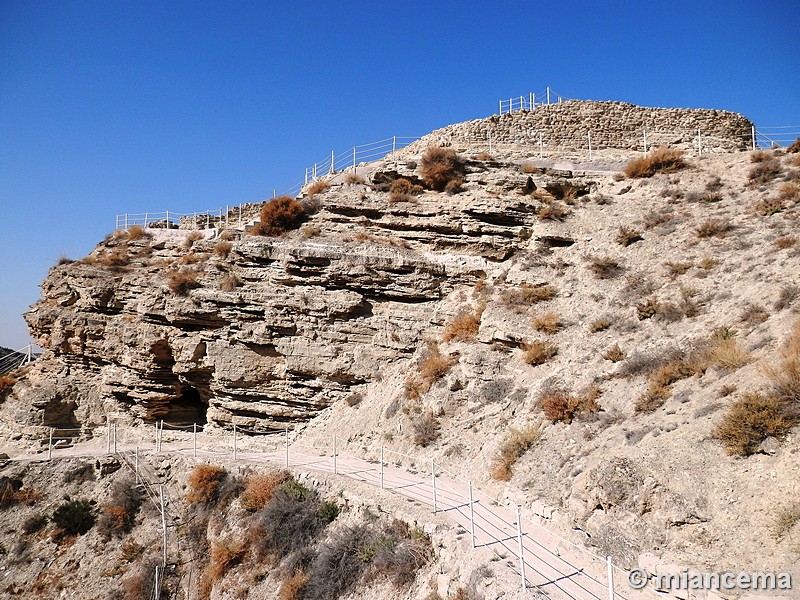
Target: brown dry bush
{"type": "Point", "coordinates": [660, 160]}
{"type": "Point", "coordinates": [763, 172]}
{"type": "Point", "coordinates": [714, 228]}
{"type": "Point", "coordinates": [759, 156]}
{"type": "Point", "coordinates": [464, 327]}
{"type": "Point", "coordinates": [292, 586]}
{"type": "Point", "coordinates": [789, 192]}
{"type": "Point", "coordinates": [627, 236]}
{"type": "Point", "coordinates": [354, 178]}
{"type": "Point", "coordinates": [259, 487]}
{"type": "Point", "coordinates": [516, 444]}
{"type": "Point", "coordinates": [753, 314]}
{"type": "Point", "coordinates": [280, 215]}
{"type": "Point", "coordinates": [786, 518]}
{"type": "Point", "coordinates": [750, 420]}
{"type": "Point", "coordinates": [118, 516]}
{"type": "Point", "coordinates": [138, 233]}
{"type": "Point", "coordinates": [432, 366]}
{"type": "Point", "coordinates": [766, 207]}
{"type": "Point", "coordinates": [204, 483]}
{"type": "Point", "coordinates": [676, 269]}
{"type": "Point", "coordinates": [795, 147]}
{"type": "Point", "coordinates": [223, 248]}
{"type": "Point", "coordinates": [614, 354]}
{"type": "Point", "coordinates": [425, 428]}
{"type": "Point", "coordinates": [604, 267]}
{"type": "Point", "coordinates": [559, 405]}
{"type": "Point", "coordinates": [549, 323]}
{"type": "Point", "coordinates": [318, 187]}
{"type": "Point", "coordinates": [229, 282]}
{"type": "Point", "coordinates": [181, 282]}
{"type": "Point", "coordinates": [600, 324]}
{"type": "Point", "coordinates": [441, 166]}
{"type": "Point", "coordinates": [193, 258]}
{"type": "Point", "coordinates": [224, 555]}
{"type": "Point", "coordinates": [527, 294]}
{"type": "Point", "coordinates": [538, 352]}
{"type": "Point", "coordinates": [402, 190]}
{"type": "Point", "coordinates": [552, 211]}
{"type": "Point", "coordinates": [193, 237]}
{"type": "Point", "coordinates": [7, 382]}
{"type": "Point", "coordinates": [785, 242]}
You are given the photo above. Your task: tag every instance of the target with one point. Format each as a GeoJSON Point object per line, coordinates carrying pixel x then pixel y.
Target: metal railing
{"type": "Point", "coordinates": [543, 560]}
{"type": "Point", "coordinates": [17, 359]}
{"type": "Point", "coordinates": [530, 102]}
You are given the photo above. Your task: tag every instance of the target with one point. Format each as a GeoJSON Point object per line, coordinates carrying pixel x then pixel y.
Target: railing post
{"type": "Point", "coordinates": [315, 172]}
{"type": "Point", "coordinates": [235, 449]}
{"type": "Point", "coordinates": [354, 159]}
{"type": "Point", "coordinates": [433, 483]}
{"type": "Point", "coordinates": [471, 516]}
{"type": "Point", "coordinates": [335, 470]}
{"type": "Point", "coordinates": [548, 96]}
{"type": "Point", "coordinates": [500, 106]}
{"type": "Point", "coordinates": [332, 170]}
{"type": "Point", "coordinates": [589, 135]}
{"type": "Point", "coordinates": [610, 579]}
{"type": "Point", "coordinates": [126, 221]}
{"type": "Point", "coordinates": [530, 101]}
{"type": "Point", "coordinates": [699, 146]}
{"type": "Point", "coordinates": [753, 135]}
{"type": "Point", "coordinates": [156, 436]}
{"type": "Point", "coordinates": [541, 154]}
{"type": "Point", "coordinates": [382, 466]}
{"type": "Point", "coordinates": [163, 525]}
{"type": "Point", "coordinates": [136, 464]}
{"type": "Point", "coordinates": [145, 220]}
{"type": "Point", "coordinates": [50, 445]}
{"type": "Point", "coordinates": [287, 446]}
{"type": "Point", "coordinates": [115, 437]}
{"type": "Point", "coordinates": [394, 146]}
{"type": "Point", "coordinates": [208, 220]}
{"type": "Point", "coordinates": [644, 137]}
{"type": "Point", "coordinates": [521, 551]}
{"type": "Point", "coordinates": [194, 439]}
{"type": "Point", "coordinates": [167, 219]}
{"type": "Point", "coordinates": [108, 436]}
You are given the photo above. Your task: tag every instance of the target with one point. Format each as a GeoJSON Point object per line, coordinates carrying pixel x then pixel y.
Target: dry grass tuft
{"type": "Point", "coordinates": [138, 233]}
{"type": "Point", "coordinates": [180, 282]}
{"type": "Point", "coordinates": [318, 187]}
{"type": "Point", "coordinates": [292, 586]}
{"type": "Point", "coordinates": [193, 237]}
{"type": "Point", "coordinates": [648, 308]}
{"type": "Point", "coordinates": [204, 483]}
{"type": "Point", "coordinates": [750, 420]}
{"type": "Point", "coordinates": [223, 248]}
{"type": "Point", "coordinates": [660, 160]}
{"type": "Point", "coordinates": [764, 171]}
{"type": "Point", "coordinates": [441, 166]}
{"type": "Point", "coordinates": [789, 191]}
{"type": "Point", "coordinates": [552, 211]}
{"type": "Point", "coordinates": [559, 405]}
{"type": "Point", "coordinates": [714, 228]}
{"type": "Point", "coordinates": [223, 556]}
{"type": "Point", "coordinates": [549, 323]}
{"type": "Point", "coordinates": [785, 242]}
{"type": "Point", "coordinates": [538, 352]}
{"type": "Point", "coordinates": [259, 487]}
{"type": "Point", "coordinates": [766, 207]}
{"type": "Point", "coordinates": [464, 327]}
{"type": "Point", "coordinates": [402, 190]}
{"type": "Point", "coordinates": [787, 517]}
{"type": "Point", "coordinates": [675, 269]}
{"type": "Point", "coordinates": [7, 382]}
{"type": "Point", "coordinates": [605, 267]}
{"type": "Point", "coordinates": [354, 178]}
{"type": "Point", "coordinates": [516, 444]}
{"type": "Point", "coordinates": [627, 236]}
{"type": "Point", "coordinates": [425, 428]}
{"type": "Point", "coordinates": [600, 324]}
{"type": "Point", "coordinates": [434, 365]}
{"type": "Point", "coordinates": [229, 282]}
{"type": "Point", "coordinates": [795, 147]}
{"type": "Point", "coordinates": [279, 216]}
{"type": "Point", "coordinates": [614, 354]}
{"type": "Point", "coordinates": [527, 294]}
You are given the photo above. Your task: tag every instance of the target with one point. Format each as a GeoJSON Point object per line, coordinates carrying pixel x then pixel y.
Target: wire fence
{"type": "Point", "coordinates": [543, 560]}
{"type": "Point", "coordinates": [530, 102]}
{"type": "Point", "coordinates": [17, 359]}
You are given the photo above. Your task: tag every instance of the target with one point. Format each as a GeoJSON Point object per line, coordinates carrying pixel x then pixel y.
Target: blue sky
{"type": "Point", "coordinates": [109, 107]}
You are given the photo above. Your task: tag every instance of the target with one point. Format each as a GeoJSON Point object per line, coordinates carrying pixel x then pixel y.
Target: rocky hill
{"type": "Point", "coordinates": [619, 354]}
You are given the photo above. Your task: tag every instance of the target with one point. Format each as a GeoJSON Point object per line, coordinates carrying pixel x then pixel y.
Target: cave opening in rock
{"type": "Point", "coordinates": [186, 409]}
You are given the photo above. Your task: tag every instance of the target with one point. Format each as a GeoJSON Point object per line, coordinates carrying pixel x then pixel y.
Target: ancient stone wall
{"type": "Point", "coordinates": [617, 125]}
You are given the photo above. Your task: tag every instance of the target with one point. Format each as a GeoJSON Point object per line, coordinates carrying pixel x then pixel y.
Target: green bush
{"type": "Point", "coordinates": [74, 517]}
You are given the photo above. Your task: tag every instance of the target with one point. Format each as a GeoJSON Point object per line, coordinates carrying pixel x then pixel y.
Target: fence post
{"type": "Point", "coordinates": [108, 436]}
{"type": "Point", "coordinates": [333, 170]}
{"type": "Point", "coordinates": [235, 449]}
{"type": "Point", "coordinates": [208, 220]}
{"type": "Point", "coordinates": [136, 464]}
{"type": "Point", "coordinates": [115, 437]}
{"type": "Point", "coordinates": [589, 134]}
{"type": "Point", "coordinates": [50, 445]}
{"type": "Point", "coordinates": [354, 159]}
{"type": "Point", "coordinates": [753, 135]}
{"type": "Point", "coordinates": [541, 155]}
{"type": "Point", "coordinates": [610, 579]}
{"type": "Point", "coordinates": [163, 525]}
{"type": "Point", "coordinates": [548, 96]}
{"type": "Point", "coordinates": [644, 136]}
{"type": "Point", "coordinates": [287, 446]}
{"type": "Point", "coordinates": [194, 439]}
{"type": "Point", "coordinates": [160, 434]}
{"type": "Point", "coordinates": [471, 516]}
{"type": "Point", "coordinates": [168, 227]}
{"type": "Point", "coordinates": [530, 101]}
{"type": "Point", "coordinates": [381, 466]}
{"type": "Point", "coordinates": [433, 483]}
{"type": "Point", "coordinates": [521, 551]}
{"type": "Point", "coordinates": [394, 146]}
{"type": "Point", "coordinates": [156, 586]}
{"type": "Point", "coordinates": [156, 436]}
{"type": "Point", "coordinates": [500, 106]}
{"type": "Point", "coordinates": [335, 470]}
{"type": "Point", "coordinates": [126, 221]}
{"type": "Point", "coordinates": [699, 146]}
{"type": "Point", "coordinates": [314, 177]}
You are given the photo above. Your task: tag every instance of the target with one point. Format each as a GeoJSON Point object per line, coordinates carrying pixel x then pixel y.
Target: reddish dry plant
{"type": "Point", "coordinates": [259, 487]}
{"type": "Point", "coordinates": [318, 187]}
{"type": "Point", "coordinates": [518, 442]}
{"type": "Point", "coordinates": [402, 190]}
{"type": "Point", "coordinates": [223, 248]}
{"type": "Point", "coordinates": [441, 167]}
{"type": "Point", "coordinates": [204, 482]}
{"type": "Point", "coordinates": [280, 215]}
{"type": "Point", "coordinates": [293, 585]}
{"type": "Point", "coordinates": [660, 160]}
{"type": "Point", "coordinates": [224, 555]}
{"type": "Point", "coordinates": [538, 352]}
{"type": "Point", "coordinates": [180, 282]}
{"type": "Point", "coordinates": [560, 405]}
{"type": "Point", "coordinates": [464, 327]}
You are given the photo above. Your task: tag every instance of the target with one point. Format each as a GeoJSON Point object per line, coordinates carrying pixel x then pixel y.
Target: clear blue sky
{"type": "Point", "coordinates": [109, 107]}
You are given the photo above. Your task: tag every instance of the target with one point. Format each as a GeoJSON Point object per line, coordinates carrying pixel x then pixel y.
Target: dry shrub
{"type": "Point", "coordinates": [788, 294]}
{"type": "Point", "coordinates": [789, 192]}
{"type": "Point", "coordinates": [753, 314]}
{"type": "Point", "coordinates": [433, 365]}
{"type": "Point", "coordinates": [766, 207]}
{"type": "Point", "coordinates": [627, 236]}
{"type": "Point", "coordinates": [229, 282]}
{"type": "Point", "coordinates": [402, 190]}
{"type": "Point", "coordinates": [527, 294]}
{"type": "Point", "coordinates": [517, 443]}
{"type": "Point", "coordinates": [318, 187]}
{"type": "Point", "coordinates": [7, 382]}
{"type": "Point", "coordinates": [464, 327]}
{"type": "Point", "coordinates": [750, 420]}
{"type": "Point", "coordinates": [760, 156]}
{"type": "Point", "coordinates": [614, 354]}
{"type": "Point", "coordinates": [259, 487]}
{"type": "Point", "coordinates": [292, 586]}
{"type": "Point", "coordinates": [118, 516]}
{"type": "Point", "coordinates": [726, 353]}
{"type": "Point", "coordinates": [786, 517]}
{"type": "Point", "coordinates": [784, 378]}
{"type": "Point", "coordinates": [181, 282]}
{"type": "Point", "coordinates": [599, 324]}
{"type": "Point", "coordinates": [785, 242]}
{"type": "Point", "coordinates": [223, 248]}
{"type": "Point", "coordinates": [354, 178]}
{"type": "Point", "coordinates": [676, 269]}
{"type": "Point", "coordinates": [764, 172]}
{"type": "Point", "coordinates": [714, 228]}
{"type": "Point", "coordinates": [660, 160]}
{"type": "Point", "coordinates": [604, 267]}
{"type": "Point", "coordinates": [538, 352]}
{"type": "Point", "coordinates": [552, 211]}
{"type": "Point", "coordinates": [138, 233]}
{"type": "Point", "coordinates": [483, 156]}
{"type": "Point", "coordinates": [559, 405]}
{"type": "Point", "coordinates": [193, 237]}
{"type": "Point", "coordinates": [425, 428]}
{"type": "Point", "coordinates": [116, 258]}
{"type": "Point", "coordinates": [549, 323]}
{"type": "Point", "coordinates": [795, 147]}
{"type": "Point", "coordinates": [224, 555]}
{"type": "Point", "coordinates": [140, 583]}
{"type": "Point", "coordinates": [280, 215]}
{"type": "Point", "coordinates": [204, 483]}
{"type": "Point", "coordinates": [441, 166]}
{"type": "Point", "coordinates": [193, 258]}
